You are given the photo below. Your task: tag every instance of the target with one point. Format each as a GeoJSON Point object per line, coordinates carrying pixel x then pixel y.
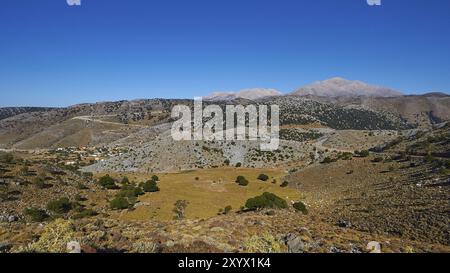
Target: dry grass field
{"type": "Point", "coordinates": [207, 191]}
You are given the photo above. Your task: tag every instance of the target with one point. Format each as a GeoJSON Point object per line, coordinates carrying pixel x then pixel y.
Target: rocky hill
{"type": "Point", "coordinates": [339, 87]}
{"type": "Point", "coordinates": [7, 112]}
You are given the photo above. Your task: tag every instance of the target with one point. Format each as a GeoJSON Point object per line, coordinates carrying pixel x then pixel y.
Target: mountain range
{"type": "Point", "coordinates": [334, 88]}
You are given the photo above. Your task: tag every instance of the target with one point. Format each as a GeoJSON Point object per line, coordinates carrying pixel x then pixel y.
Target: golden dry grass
{"type": "Point", "coordinates": [214, 190]}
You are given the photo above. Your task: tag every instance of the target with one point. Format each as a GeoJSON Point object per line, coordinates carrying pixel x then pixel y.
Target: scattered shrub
{"type": "Point", "coordinates": [242, 181]}
{"type": "Point", "coordinates": [6, 158]}
{"type": "Point", "coordinates": [238, 165]}
{"type": "Point", "coordinates": [263, 177]}
{"type": "Point", "coordinates": [150, 186]}
{"type": "Point", "coordinates": [85, 213]}
{"type": "Point", "coordinates": [266, 200]}
{"type": "Point", "coordinates": [39, 183]}
{"type": "Point", "coordinates": [364, 153]}
{"type": "Point", "coordinates": [108, 182]}
{"type": "Point", "coordinates": [284, 184]}
{"type": "Point", "coordinates": [227, 209]}
{"type": "Point", "coordinates": [119, 203]}
{"type": "Point", "coordinates": [36, 215]}
{"type": "Point", "coordinates": [60, 206]}
{"type": "Point", "coordinates": [125, 181]}
{"type": "Point", "coordinates": [299, 206]}
{"type": "Point", "coordinates": [378, 159]}
{"type": "Point", "coordinates": [155, 178]}
{"type": "Point", "coordinates": [327, 160]}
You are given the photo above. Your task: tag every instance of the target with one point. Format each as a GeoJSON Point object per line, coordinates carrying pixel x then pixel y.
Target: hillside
{"type": "Point", "coordinates": [339, 87]}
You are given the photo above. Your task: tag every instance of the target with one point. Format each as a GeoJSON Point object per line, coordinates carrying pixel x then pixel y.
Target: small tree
{"type": "Point", "coordinates": [227, 209]}
{"type": "Point", "coordinates": [179, 209]}
{"type": "Point", "coordinates": [364, 153]}
{"type": "Point", "coordinates": [266, 200]}
{"type": "Point", "coordinates": [299, 206]}
{"type": "Point", "coordinates": [107, 182]}
{"type": "Point", "coordinates": [327, 160]}
{"type": "Point", "coordinates": [263, 177]}
{"type": "Point", "coordinates": [125, 181]}
{"type": "Point", "coordinates": [284, 184]}
{"type": "Point", "coordinates": [242, 181]}
{"type": "Point", "coordinates": [155, 178]}
{"type": "Point", "coordinates": [119, 203]}
{"type": "Point", "coordinates": [150, 186]}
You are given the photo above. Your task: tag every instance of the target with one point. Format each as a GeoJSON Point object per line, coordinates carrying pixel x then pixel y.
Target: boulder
{"type": "Point", "coordinates": [374, 247]}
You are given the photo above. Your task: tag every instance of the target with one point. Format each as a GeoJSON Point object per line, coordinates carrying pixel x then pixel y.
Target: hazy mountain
{"type": "Point", "coordinates": [339, 87]}
{"type": "Point", "coordinates": [251, 94]}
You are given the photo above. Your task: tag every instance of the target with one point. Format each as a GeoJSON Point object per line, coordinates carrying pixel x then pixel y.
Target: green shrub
{"type": "Point", "coordinates": [327, 160]}
{"type": "Point", "coordinates": [364, 153]}
{"type": "Point", "coordinates": [299, 206]}
{"type": "Point", "coordinates": [125, 181]}
{"type": "Point", "coordinates": [238, 165]}
{"type": "Point", "coordinates": [85, 214]}
{"type": "Point", "coordinates": [119, 203]}
{"type": "Point", "coordinates": [284, 184]}
{"type": "Point", "coordinates": [155, 178]}
{"type": "Point", "coordinates": [266, 200]}
{"type": "Point", "coordinates": [227, 209]}
{"type": "Point", "coordinates": [263, 177]}
{"type": "Point", "coordinates": [130, 192]}
{"type": "Point", "coordinates": [108, 182]}
{"type": "Point", "coordinates": [39, 183]}
{"type": "Point", "coordinates": [88, 175]}
{"type": "Point", "coordinates": [242, 181]}
{"type": "Point", "coordinates": [378, 159]}
{"type": "Point", "coordinates": [150, 186]}
{"type": "Point", "coordinates": [60, 206]}
{"type": "Point", "coordinates": [6, 158]}
{"type": "Point", "coordinates": [36, 215]}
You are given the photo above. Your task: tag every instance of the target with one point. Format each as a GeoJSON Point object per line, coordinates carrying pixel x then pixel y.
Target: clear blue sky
{"type": "Point", "coordinates": [52, 54]}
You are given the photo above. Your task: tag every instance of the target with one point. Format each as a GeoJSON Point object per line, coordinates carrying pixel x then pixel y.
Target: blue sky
{"type": "Point", "coordinates": [52, 54]}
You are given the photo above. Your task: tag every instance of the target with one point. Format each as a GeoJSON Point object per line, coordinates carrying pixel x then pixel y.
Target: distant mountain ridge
{"type": "Point", "coordinates": [340, 87]}
{"type": "Point", "coordinates": [250, 94]}
{"type": "Point", "coordinates": [6, 112]}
